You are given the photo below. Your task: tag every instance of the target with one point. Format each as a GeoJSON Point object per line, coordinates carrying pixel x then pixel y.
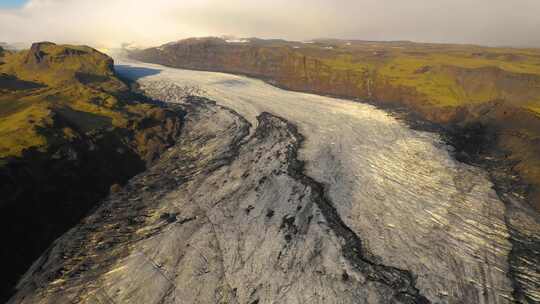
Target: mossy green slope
{"type": "Point", "coordinates": [50, 81]}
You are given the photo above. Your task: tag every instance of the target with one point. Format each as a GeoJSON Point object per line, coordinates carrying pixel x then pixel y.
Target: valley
{"type": "Point", "coordinates": [380, 212]}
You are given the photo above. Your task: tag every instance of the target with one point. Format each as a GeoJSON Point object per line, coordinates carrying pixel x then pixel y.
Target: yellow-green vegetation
{"type": "Point", "coordinates": [55, 65]}
{"type": "Point", "coordinates": [57, 84]}
{"type": "Point", "coordinates": [18, 131]}
{"type": "Point", "coordinates": [535, 108]}
{"type": "Point", "coordinates": [445, 75]}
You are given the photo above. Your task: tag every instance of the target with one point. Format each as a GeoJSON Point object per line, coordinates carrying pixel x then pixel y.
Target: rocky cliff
{"type": "Point", "coordinates": [468, 90]}
{"type": "Point", "coordinates": [70, 131]}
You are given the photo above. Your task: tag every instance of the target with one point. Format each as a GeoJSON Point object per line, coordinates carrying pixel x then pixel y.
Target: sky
{"type": "Point", "coordinates": [11, 3]}
{"type": "Point", "coordinates": [108, 23]}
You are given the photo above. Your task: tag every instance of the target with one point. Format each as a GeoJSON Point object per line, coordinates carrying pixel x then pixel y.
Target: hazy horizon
{"type": "Point", "coordinates": [103, 23]}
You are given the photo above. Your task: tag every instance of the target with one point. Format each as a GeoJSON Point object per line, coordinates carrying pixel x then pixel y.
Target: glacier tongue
{"type": "Point", "coordinates": [398, 189]}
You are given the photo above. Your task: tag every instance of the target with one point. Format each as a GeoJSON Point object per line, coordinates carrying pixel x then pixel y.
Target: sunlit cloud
{"type": "Point", "coordinates": [111, 22]}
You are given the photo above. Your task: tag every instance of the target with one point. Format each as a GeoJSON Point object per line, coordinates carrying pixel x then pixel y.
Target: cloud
{"type": "Point", "coordinates": [111, 22]}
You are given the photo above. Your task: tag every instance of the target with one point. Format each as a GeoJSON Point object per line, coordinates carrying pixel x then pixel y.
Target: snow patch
{"type": "Point", "coordinates": [236, 40]}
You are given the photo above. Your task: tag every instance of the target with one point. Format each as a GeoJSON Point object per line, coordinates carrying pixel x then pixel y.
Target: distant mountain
{"type": "Point", "coordinates": [69, 129]}
{"type": "Point", "coordinates": [488, 99]}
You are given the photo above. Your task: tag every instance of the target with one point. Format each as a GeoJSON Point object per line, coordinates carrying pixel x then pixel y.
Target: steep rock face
{"type": "Point", "coordinates": [454, 86]}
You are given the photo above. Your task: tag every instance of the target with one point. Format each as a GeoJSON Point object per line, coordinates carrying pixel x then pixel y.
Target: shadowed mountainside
{"type": "Point", "coordinates": [487, 99]}
{"type": "Point", "coordinates": [69, 130]}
